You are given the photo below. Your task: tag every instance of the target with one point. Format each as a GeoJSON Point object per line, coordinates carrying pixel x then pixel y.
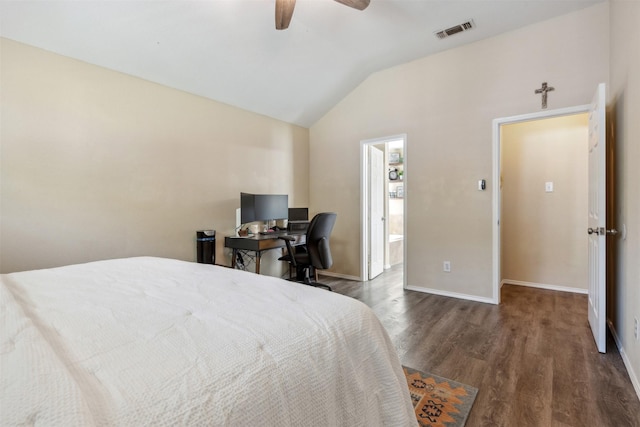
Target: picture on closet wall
{"type": "Point", "coordinates": [394, 157]}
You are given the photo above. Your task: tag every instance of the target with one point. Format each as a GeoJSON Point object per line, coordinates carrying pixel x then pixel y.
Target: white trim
{"type": "Point", "coordinates": [559, 112]}
{"type": "Point", "coordinates": [495, 221]}
{"type": "Point", "coordinates": [627, 363]}
{"type": "Point", "coordinates": [544, 286]}
{"type": "Point", "coordinates": [497, 123]}
{"type": "Point", "coordinates": [338, 275]}
{"type": "Point", "coordinates": [364, 220]}
{"type": "Point", "coordinates": [632, 375]}
{"type": "Point", "coordinates": [450, 294]}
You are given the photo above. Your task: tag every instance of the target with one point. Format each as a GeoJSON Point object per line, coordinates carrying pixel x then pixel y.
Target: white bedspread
{"type": "Point", "coordinates": [152, 341]}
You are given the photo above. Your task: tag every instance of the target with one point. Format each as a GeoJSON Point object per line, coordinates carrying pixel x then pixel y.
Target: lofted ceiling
{"type": "Point", "coordinates": [229, 50]}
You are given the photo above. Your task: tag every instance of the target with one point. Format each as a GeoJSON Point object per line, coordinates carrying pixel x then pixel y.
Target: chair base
{"type": "Point", "coordinates": [319, 285]}
{"type": "Point", "coordinates": [310, 283]}
{"type": "Point", "coordinates": [306, 278]}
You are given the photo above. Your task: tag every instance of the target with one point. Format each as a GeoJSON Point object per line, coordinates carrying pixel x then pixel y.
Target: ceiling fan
{"type": "Point", "coordinates": [284, 10]}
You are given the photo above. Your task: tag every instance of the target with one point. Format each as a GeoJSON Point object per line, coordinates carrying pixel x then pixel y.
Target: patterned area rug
{"type": "Point", "coordinates": [439, 402]}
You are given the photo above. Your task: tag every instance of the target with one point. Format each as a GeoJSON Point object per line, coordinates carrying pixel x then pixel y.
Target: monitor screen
{"type": "Point", "coordinates": [247, 209]}
{"type": "Point", "coordinates": [298, 214]}
{"type": "Point", "coordinates": [263, 207]}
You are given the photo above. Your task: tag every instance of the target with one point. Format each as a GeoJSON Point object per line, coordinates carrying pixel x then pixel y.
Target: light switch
{"type": "Point", "coordinates": [548, 187]}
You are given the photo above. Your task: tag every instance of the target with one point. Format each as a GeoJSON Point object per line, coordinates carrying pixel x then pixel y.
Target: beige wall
{"type": "Point", "coordinates": [544, 240]}
{"type": "Point", "coordinates": [624, 295]}
{"type": "Point", "coordinates": [96, 164]}
{"type": "Point", "coordinates": [445, 103]}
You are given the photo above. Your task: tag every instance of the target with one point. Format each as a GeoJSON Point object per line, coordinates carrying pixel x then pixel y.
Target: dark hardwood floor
{"type": "Point", "coordinates": [533, 358]}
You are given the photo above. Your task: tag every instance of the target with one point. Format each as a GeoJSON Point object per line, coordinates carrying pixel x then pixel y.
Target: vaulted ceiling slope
{"type": "Point", "coordinates": [229, 50]}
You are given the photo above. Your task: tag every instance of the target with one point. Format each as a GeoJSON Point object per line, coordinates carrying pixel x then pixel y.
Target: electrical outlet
{"type": "Point", "coordinates": [635, 328]}
{"type": "Point", "coordinates": [446, 266]}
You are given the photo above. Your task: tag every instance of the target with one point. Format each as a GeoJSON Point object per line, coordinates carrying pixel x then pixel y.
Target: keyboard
{"type": "Point", "coordinates": [273, 233]}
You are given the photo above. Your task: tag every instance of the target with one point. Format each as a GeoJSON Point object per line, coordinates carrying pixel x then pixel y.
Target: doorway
{"type": "Point", "coordinates": [545, 187]}
{"type": "Point", "coordinates": [383, 206]}
{"type": "Point", "coordinates": [395, 214]}
{"type": "Point", "coordinates": [544, 192]}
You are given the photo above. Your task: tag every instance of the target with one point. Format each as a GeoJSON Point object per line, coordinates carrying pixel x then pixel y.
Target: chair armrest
{"type": "Point", "coordinates": [287, 241]}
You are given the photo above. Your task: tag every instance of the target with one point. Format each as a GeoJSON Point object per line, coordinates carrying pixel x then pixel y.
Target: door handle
{"type": "Point", "coordinates": [602, 231]}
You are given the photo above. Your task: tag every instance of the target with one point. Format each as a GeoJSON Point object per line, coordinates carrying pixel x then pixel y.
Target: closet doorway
{"type": "Point", "coordinates": [544, 192]}
{"type": "Point", "coordinates": [540, 204]}
{"type": "Point", "coordinates": [383, 206]}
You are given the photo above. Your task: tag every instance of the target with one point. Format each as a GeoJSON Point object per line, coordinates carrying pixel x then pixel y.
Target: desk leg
{"type": "Point", "coordinates": [258, 253]}
{"type": "Point", "coordinates": [234, 255]}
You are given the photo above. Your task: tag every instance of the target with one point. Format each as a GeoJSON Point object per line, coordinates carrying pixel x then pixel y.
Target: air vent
{"type": "Point", "coordinates": [443, 34]}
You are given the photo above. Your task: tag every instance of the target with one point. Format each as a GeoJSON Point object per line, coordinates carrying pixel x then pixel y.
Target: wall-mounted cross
{"type": "Point", "coordinates": [543, 90]}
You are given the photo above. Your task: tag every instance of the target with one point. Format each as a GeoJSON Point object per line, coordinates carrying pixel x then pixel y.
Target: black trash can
{"type": "Point", "coordinates": [206, 244]}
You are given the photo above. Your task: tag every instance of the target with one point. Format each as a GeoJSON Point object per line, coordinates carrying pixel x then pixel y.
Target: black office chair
{"type": "Point", "coordinates": [318, 253]}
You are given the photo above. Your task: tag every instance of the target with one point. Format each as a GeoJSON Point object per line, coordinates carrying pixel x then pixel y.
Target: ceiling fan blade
{"type": "Point", "coordinates": [356, 4]}
{"type": "Point", "coordinates": [284, 12]}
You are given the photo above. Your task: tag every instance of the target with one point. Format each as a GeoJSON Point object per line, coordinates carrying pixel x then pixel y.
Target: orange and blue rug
{"type": "Point", "coordinates": [439, 402]}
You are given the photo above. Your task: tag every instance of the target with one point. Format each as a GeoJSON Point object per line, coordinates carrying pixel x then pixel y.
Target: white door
{"type": "Point", "coordinates": [597, 219]}
{"type": "Point", "coordinates": [376, 212]}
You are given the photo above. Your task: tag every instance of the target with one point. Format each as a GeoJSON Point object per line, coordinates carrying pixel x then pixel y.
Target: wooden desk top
{"type": "Point", "coordinates": [261, 242]}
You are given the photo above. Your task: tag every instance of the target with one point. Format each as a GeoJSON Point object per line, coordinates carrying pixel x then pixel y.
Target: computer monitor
{"type": "Point", "coordinates": [298, 214]}
{"type": "Point", "coordinates": [263, 207]}
{"type": "Point", "coordinates": [247, 208]}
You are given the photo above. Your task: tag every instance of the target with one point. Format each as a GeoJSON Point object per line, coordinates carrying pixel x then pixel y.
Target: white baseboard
{"type": "Point", "coordinates": [339, 276]}
{"type": "Point", "coordinates": [451, 294]}
{"type": "Point", "coordinates": [627, 363]}
{"type": "Point", "coordinates": [544, 286]}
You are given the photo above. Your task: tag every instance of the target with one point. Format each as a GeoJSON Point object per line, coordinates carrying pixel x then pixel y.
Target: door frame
{"type": "Point", "coordinates": [364, 203]}
{"type": "Point", "coordinates": [496, 197]}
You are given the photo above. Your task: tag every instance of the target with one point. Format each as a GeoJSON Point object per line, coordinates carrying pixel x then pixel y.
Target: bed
{"type": "Point", "coordinates": [153, 341]}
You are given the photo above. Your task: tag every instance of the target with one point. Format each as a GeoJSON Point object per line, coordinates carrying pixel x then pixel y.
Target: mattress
{"type": "Point", "coordinates": [152, 341]}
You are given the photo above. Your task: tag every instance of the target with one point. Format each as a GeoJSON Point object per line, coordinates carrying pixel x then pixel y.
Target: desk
{"type": "Point", "coordinates": [259, 243]}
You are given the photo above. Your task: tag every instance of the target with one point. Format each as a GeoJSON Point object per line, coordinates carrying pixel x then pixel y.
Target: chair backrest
{"type": "Point", "coordinates": [318, 235]}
